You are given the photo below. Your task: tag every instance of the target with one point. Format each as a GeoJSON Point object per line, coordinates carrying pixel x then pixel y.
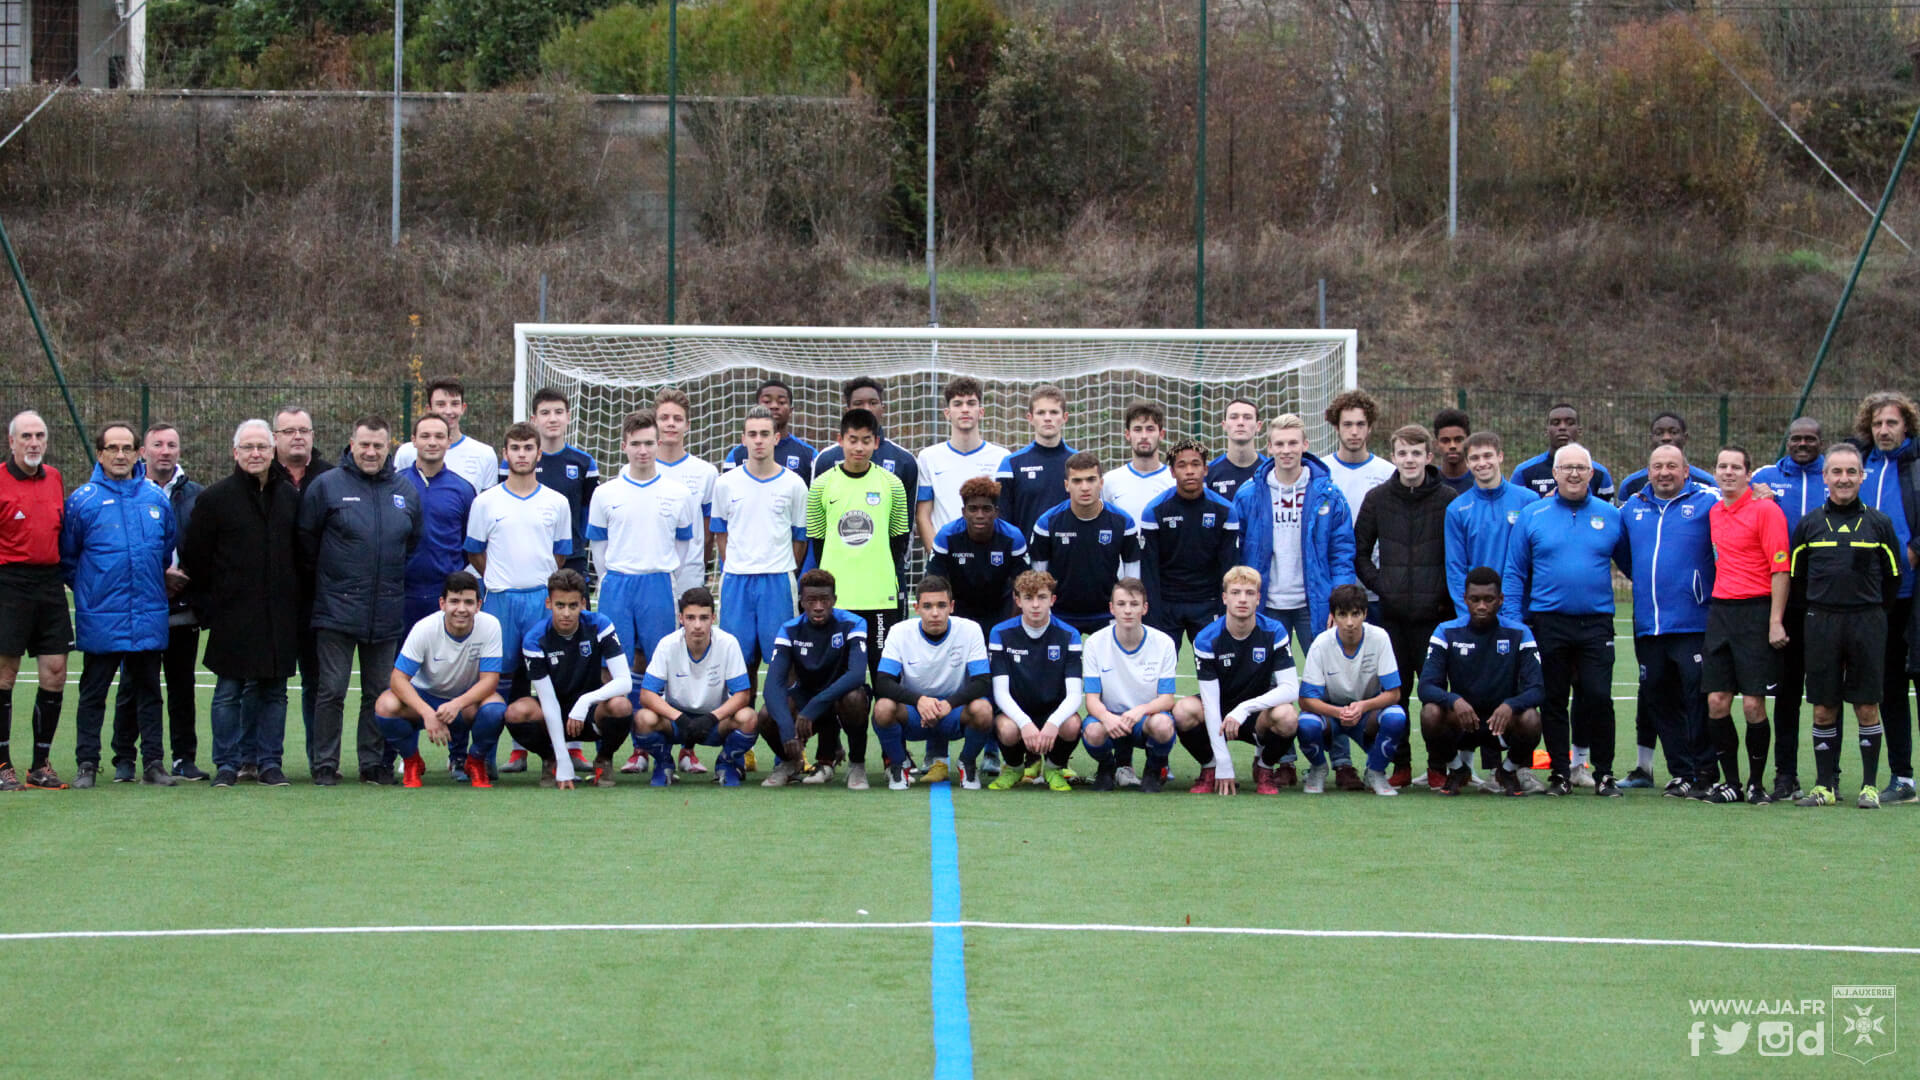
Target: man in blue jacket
{"type": "Point", "coordinates": [358, 525]}
{"type": "Point", "coordinates": [1798, 486]}
{"type": "Point", "coordinates": [116, 540]}
{"type": "Point", "coordinates": [445, 499]}
{"type": "Point", "coordinates": [1558, 564]}
{"type": "Point", "coordinates": [1884, 428]}
{"type": "Point", "coordinates": [1296, 532]}
{"type": "Point", "coordinates": [1670, 559]}
{"type": "Point", "coordinates": [1480, 522]}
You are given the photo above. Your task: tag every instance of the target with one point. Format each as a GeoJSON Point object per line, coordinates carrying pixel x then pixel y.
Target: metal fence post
{"type": "Point", "coordinates": [146, 406]}
{"type": "Point", "coordinates": [406, 411]}
{"type": "Point", "coordinates": [1723, 420]}
{"type": "Point", "coordinates": [1460, 400]}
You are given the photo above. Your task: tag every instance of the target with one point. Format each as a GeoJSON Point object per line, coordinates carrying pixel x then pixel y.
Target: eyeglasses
{"type": "Point", "coordinates": [255, 448]}
{"type": "Point", "coordinates": [1574, 469]}
{"type": "Point", "coordinates": [294, 431]}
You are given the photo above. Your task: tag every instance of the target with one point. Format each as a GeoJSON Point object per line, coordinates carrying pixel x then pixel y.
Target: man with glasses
{"type": "Point", "coordinates": [293, 460]}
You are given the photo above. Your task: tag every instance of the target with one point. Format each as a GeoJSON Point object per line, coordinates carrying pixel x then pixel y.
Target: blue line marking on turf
{"type": "Point", "coordinates": [952, 1027]}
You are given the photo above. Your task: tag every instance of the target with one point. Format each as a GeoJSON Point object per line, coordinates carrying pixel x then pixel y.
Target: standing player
{"type": "Point", "coordinates": [634, 525]}
{"type": "Point", "coordinates": [518, 533]}
{"type": "Point", "coordinates": [1350, 689]}
{"type": "Point", "coordinates": [1670, 543]}
{"type": "Point", "coordinates": [572, 683]}
{"type": "Point", "coordinates": [1481, 685]}
{"type": "Point", "coordinates": [792, 451]}
{"type": "Point", "coordinates": [1085, 544]}
{"type": "Point", "coordinates": [1798, 488]}
{"type": "Point", "coordinates": [867, 392]}
{"type": "Point", "coordinates": [933, 683]}
{"type": "Point", "coordinates": [1884, 428]}
{"type": "Point", "coordinates": [979, 554]}
{"type": "Point", "coordinates": [1746, 626]}
{"type": "Point", "coordinates": [1401, 553]}
{"type": "Point", "coordinates": [695, 690]}
{"type": "Point", "coordinates": [858, 520]}
{"type": "Point", "coordinates": [446, 677]}
{"type": "Point", "coordinates": [1037, 685]}
{"type": "Point", "coordinates": [1558, 566]}
{"type": "Point", "coordinates": [1848, 563]}
{"type": "Point", "coordinates": [1451, 429]}
{"type": "Point", "coordinates": [1143, 478]}
{"type": "Point", "coordinates": [467, 456]}
{"type": "Point", "coordinates": [1247, 690]}
{"type": "Point", "coordinates": [1128, 671]}
{"type": "Point", "coordinates": [760, 527]}
{"type": "Point", "coordinates": [1031, 477]}
{"type": "Point", "coordinates": [1669, 429]}
{"type": "Point", "coordinates": [1190, 537]}
{"type": "Point", "coordinates": [33, 603]}
{"type": "Point", "coordinates": [446, 500]}
{"type": "Point", "coordinates": [1536, 473]}
{"type": "Point", "coordinates": [816, 681]}
{"type": "Point", "coordinates": [565, 468]}
{"type": "Point", "coordinates": [1480, 522]}
{"type": "Point", "coordinates": [946, 467]}
{"type": "Point", "coordinates": [671, 410]}
{"type": "Point", "coordinates": [160, 450]}
{"type": "Point", "coordinates": [1243, 459]}
{"type": "Point", "coordinates": [1354, 468]}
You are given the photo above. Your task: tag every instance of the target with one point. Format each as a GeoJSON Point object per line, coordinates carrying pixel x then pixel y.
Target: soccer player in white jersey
{"type": "Point", "coordinates": [1350, 689]}
{"type": "Point", "coordinates": [633, 523]}
{"type": "Point", "coordinates": [695, 691]}
{"type": "Point", "coordinates": [760, 537]}
{"type": "Point", "coordinates": [946, 465]}
{"type": "Point", "coordinates": [446, 675]}
{"type": "Point", "coordinates": [468, 457]}
{"type": "Point", "coordinates": [1144, 477]}
{"type": "Point", "coordinates": [671, 410]}
{"type": "Point", "coordinates": [933, 682]}
{"type": "Point", "coordinates": [518, 533]}
{"type": "Point", "coordinates": [1128, 671]}
{"type": "Point", "coordinates": [1354, 469]}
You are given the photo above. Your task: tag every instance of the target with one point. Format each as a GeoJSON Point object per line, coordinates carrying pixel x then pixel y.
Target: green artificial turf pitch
{"type": "Point", "coordinates": [854, 1001]}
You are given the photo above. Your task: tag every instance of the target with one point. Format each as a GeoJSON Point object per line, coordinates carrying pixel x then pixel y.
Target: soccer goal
{"type": "Point", "coordinates": [609, 371]}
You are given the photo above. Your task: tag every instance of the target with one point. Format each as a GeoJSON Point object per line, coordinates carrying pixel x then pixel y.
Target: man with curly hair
{"type": "Point", "coordinates": [1883, 429]}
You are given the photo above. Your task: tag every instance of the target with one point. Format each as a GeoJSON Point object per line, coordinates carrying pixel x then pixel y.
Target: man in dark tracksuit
{"type": "Point", "coordinates": [358, 525]}
{"type": "Point", "coordinates": [1848, 563]}
{"type": "Point", "coordinates": [180, 664]}
{"type": "Point", "coordinates": [1559, 565]}
{"type": "Point", "coordinates": [294, 460]}
{"type": "Point", "coordinates": [1406, 518]}
{"type": "Point", "coordinates": [1885, 431]}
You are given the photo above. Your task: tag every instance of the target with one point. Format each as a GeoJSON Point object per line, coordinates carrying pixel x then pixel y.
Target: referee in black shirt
{"type": "Point", "coordinates": [1847, 562]}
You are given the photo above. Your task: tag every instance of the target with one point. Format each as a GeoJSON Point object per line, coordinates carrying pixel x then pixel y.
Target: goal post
{"type": "Point", "coordinates": [608, 371]}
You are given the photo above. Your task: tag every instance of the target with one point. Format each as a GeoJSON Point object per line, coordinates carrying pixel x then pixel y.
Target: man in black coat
{"type": "Point", "coordinates": [238, 552]}
{"type": "Point", "coordinates": [1405, 518]}
{"type": "Point", "coordinates": [294, 460]}
{"type": "Point", "coordinates": [358, 525]}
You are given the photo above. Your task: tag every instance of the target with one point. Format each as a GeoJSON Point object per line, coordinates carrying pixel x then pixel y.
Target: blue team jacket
{"type": "Point", "coordinates": [1479, 525]}
{"type": "Point", "coordinates": [115, 542]}
{"type": "Point", "coordinates": [1326, 533]}
{"type": "Point", "coordinates": [1797, 489]}
{"type": "Point", "coordinates": [1558, 554]}
{"type": "Point", "coordinates": [1670, 559]}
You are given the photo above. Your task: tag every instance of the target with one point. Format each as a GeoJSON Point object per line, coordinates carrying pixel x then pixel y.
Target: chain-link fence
{"type": "Point", "coordinates": [1616, 426]}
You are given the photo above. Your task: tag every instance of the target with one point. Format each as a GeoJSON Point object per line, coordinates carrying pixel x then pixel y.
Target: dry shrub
{"type": "Point", "coordinates": [519, 167]}
{"type": "Point", "coordinates": [793, 168]}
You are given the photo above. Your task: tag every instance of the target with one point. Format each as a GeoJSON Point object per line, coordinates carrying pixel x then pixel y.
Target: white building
{"type": "Point", "coordinates": [47, 41]}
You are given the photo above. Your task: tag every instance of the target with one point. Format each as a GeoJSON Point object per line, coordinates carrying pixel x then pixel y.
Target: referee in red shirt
{"type": "Point", "coordinates": [33, 602]}
{"type": "Point", "coordinates": [1746, 624]}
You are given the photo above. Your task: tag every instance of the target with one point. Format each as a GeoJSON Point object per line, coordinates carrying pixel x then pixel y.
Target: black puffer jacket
{"type": "Point", "coordinates": [356, 532]}
{"type": "Point", "coordinates": [239, 552]}
{"type": "Point", "coordinates": [1409, 525]}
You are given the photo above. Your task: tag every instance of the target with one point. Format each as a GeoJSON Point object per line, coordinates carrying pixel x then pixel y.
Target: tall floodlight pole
{"type": "Point", "coordinates": [1453, 120]}
{"type": "Point", "coordinates": [1200, 185]}
{"type": "Point", "coordinates": [933, 71]}
{"type": "Point", "coordinates": [399, 33]}
{"type": "Point", "coordinates": [673, 156]}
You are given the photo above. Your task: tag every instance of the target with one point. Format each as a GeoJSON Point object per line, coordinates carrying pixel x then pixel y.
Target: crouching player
{"type": "Point", "coordinates": [1247, 690]}
{"type": "Point", "coordinates": [816, 682]}
{"type": "Point", "coordinates": [932, 684]}
{"type": "Point", "coordinates": [445, 680]}
{"type": "Point", "coordinates": [696, 690]}
{"type": "Point", "coordinates": [1481, 685]}
{"type": "Point", "coordinates": [1036, 686]}
{"type": "Point", "coordinates": [573, 685]}
{"type": "Point", "coordinates": [1350, 689]}
{"type": "Point", "coordinates": [1128, 675]}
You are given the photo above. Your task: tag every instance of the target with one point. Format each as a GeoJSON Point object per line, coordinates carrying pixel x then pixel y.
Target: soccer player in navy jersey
{"type": "Point", "coordinates": [1481, 685]}
{"type": "Point", "coordinates": [573, 685]}
{"type": "Point", "coordinates": [791, 451]}
{"type": "Point", "coordinates": [565, 468]}
{"type": "Point", "coordinates": [1247, 690]}
{"type": "Point", "coordinates": [1031, 477]}
{"type": "Point", "coordinates": [1037, 687]}
{"type": "Point", "coordinates": [816, 683]}
{"type": "Point", "coordinates": [1191, 537]}
{"type": "Point", "coordinates": [1086, 544]}
{"type": "Point", "coordinates": [1243, 458]}
{"type": "Point", "coordinates": [980, 554]}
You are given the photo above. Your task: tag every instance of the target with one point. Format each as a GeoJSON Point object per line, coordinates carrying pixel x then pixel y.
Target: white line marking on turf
{"type": "Point", "coordinates": [966, 924]}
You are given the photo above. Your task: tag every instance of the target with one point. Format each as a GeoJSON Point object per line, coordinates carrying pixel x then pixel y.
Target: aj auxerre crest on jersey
{"type": "Point", "coordinates": [1053, 652]}
{"type": "Point", "coordinates": [1259, 654]}
{"type": "Point", "coordinates": [1106, 536]}
{"type": "Point", "coordinates": [793, 462]}
{"type": "Point", "coordinates": [1503, 646]}
{"type": "Point", "coordinates": [400, 501]}
{"type": "Point", "coordinates": [997, 558]}
{"type": "Point", "coordinates": [573, 472]}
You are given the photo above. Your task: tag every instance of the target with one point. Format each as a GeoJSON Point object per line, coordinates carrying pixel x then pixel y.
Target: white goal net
{"type": "Point", "coordinates": [609, 371]}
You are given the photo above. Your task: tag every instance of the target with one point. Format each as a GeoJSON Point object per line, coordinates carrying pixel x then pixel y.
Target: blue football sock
{"type": "Point", "coordinates": [1313, 734]}
{"type": "Point", "coordinates": [893, 739]}
{"type": "Point", "coordinates": [976, 741]}
{"type": "Point", "coordinates": [1393, 729]}
{"type": "Point", "coordinates": [488, 720]}
{"type": "Point", "coordinates": [402, 737]}
{"type": "Point", "coordinates": [1102, 753]}
{"type": "Point", "coordinates": [655, 746]}
{"type": "Point", "coordinates": [734, 750]}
